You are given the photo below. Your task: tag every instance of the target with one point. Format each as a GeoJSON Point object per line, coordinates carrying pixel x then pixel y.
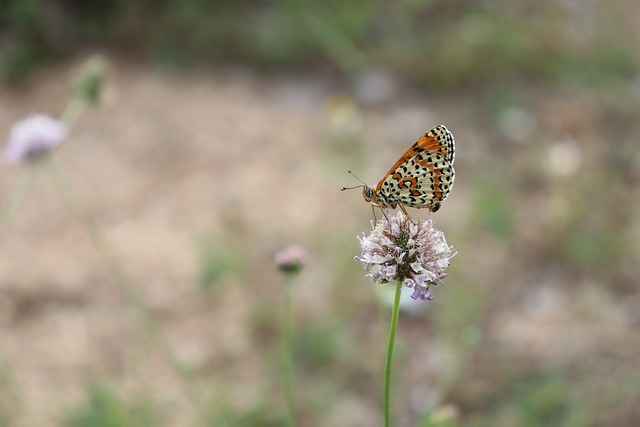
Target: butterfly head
{"type": "Point", "coordinates": [367, 193]}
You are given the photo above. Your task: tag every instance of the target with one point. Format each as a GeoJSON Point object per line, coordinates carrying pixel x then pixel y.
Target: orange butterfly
{"type": "Point", "coordinates": [421, 178]}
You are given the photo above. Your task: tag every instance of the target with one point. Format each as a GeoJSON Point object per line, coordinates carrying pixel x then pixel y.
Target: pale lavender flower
{"type": "Point", "coordinates": [291, 259]}
{"type": "Point", "coordinates": [410, 251]}
{"type": "Point", "coordinates": [32, 137]}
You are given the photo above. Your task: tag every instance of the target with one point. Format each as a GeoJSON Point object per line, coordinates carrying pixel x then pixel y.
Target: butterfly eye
{"type": "Point", "coordinates": [367, 192]}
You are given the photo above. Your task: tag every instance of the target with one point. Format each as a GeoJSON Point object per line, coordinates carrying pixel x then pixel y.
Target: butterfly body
{"type": "Point", "coordinates": [421, 178]}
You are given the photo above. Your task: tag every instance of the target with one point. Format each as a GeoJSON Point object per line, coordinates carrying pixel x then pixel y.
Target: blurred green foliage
{"type": "Point", "coordinates": [434, 43]}
{"type": "Point", "coordinates": [541, 401]}
{"type": "Point", "coordinates": [218, 263]}
{"type": "Point", "coordinates": [440, 417]}
{"type": "Point", "coordinates": [493, 211]}
{"type": "Point", "coordinates": [105, 408]}
{"type": "Point", "coordinates": [318, 346]}
{"type": "Point", "coordinates": [222, 414]}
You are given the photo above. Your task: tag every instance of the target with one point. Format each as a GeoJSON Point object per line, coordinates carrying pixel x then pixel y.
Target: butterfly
{"type": "Point", "coordinates": [421, 178]}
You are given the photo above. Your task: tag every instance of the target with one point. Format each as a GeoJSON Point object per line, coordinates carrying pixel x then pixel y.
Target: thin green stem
{"type": "Point", "coordinates": [73, 111]}
{"type": "Point", "coordinates": [287, 353]}
{"type": "Point", "coordinates": [10, 382]}
{"type": "Point", "coordinates": [392, 340]}
{"type": "Point", "coordinates": [125, 284]}
{"type": "Point", "coordinates": [18, 196]}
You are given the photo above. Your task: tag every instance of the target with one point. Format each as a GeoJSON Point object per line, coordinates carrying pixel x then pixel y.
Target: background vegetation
{"type": "Point", "coordinates": [433, 44]}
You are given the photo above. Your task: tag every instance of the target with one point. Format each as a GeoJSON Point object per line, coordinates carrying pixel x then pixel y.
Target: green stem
{"type": "Point", "coordinates": [71, 114]}
{"type": "Point", "coordinates": [73, 111]}
{"type": "Point", "coordinates": [392, 339]}
{"type": "Point", "coordinates": [125, 284]}
{"type": "Point", "coordinates": [9, 381]}
{"type": "Point", "coordinates": [287, 353]}
{"type": "Point", "coordinates": [18, 196]}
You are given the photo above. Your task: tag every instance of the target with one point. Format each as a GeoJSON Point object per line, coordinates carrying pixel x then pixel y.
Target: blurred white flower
{"type": "Point", "coordinates": [516, 124]}
{"type": "Point", "coordinates": [343, 116]}
{"type": "Point", "coordinates": [375, 87]}
{"type": "Point", "coordinates": [33, 137]}
{"type": "Point", "coordinates": [563, 158]}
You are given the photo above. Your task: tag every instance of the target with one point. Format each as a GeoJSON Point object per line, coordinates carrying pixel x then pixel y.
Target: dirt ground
{"type": "Point", "coordinates": [252, 163]}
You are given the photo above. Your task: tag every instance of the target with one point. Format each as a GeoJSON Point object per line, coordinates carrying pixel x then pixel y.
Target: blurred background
{"type": "Point", "coordinates": [224, 134]}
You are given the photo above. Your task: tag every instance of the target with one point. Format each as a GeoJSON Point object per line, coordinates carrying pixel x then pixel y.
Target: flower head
{"type": "Point", "coordinates": [32, 137]}
{"type": "Point", "coordinates": [291, 259]}
{"type": "Point", "coordinates": [399, 249]}
{"type": "Point", "coordinates": [89, 86]}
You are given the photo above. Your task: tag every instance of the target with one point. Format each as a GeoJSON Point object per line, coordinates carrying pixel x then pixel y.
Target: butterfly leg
{"type": "Point", "coordinates": [373, 210]}
{"type": "Point", "coordinates": [405, 212]}
{"type": "Point", "coordinates": [385, 214]}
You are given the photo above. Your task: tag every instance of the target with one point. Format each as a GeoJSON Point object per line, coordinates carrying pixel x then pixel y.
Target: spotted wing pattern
{"type": "Point", "coordinates": [423, 176]}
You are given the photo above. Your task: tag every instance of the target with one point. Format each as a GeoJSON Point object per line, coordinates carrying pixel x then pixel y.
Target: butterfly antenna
{"type": "Point", "coordinates": [351, 188]}
{"type": "Point", "coordinates": [364, 184]}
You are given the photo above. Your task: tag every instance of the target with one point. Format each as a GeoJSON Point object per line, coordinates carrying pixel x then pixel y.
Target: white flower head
{"type": "Point", "coordinates": [401, 249]}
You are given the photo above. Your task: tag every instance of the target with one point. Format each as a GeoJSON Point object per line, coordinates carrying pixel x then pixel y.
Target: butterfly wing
{"type": "Point", "coordinates": [422, 181]}
{"type": "Point", "coordinates": [424, 175]}
{"type": "Point", "coordinates": [438, 140]}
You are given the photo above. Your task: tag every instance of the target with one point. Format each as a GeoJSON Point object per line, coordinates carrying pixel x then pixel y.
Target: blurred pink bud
{"type": "Point", "coordinates": [291, 259]}
{"type": "Point", "coordinates": [33, 137]}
